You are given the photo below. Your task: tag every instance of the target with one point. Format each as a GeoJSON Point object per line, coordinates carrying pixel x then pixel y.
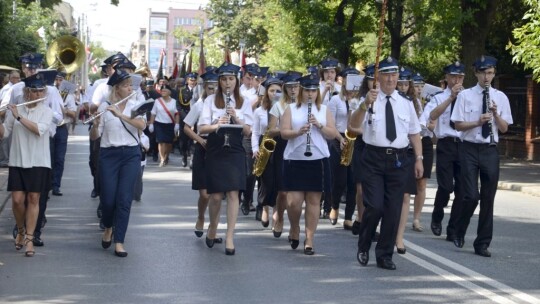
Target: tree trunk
{"type": "Point", "coordinates": [395, 26]}
{"type": "Point", "coordinates": [474, 33]}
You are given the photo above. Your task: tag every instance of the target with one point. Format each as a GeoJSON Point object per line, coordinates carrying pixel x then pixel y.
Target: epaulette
{"type": "Point", "coordinates": [428, 98]}
{"type": "Point", "coordinates": [405, 96]}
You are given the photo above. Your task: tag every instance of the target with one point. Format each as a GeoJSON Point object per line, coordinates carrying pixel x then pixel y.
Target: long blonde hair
{"type": "Point", "coordinates": [318, 100]}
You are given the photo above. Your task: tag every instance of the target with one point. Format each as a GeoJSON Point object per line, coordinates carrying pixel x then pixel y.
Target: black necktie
{"type": "Point", "coordinates": [452, 124]}
{"type": "Point", "coordinates": [390, 122]}
{"type": "Point", "coordinates": [485, 126]}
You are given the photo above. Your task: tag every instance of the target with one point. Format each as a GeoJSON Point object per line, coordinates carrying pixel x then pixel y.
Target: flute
{"type": "Point", "coordinates": [91, 118]}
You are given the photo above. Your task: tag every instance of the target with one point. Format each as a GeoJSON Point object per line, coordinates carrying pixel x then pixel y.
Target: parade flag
{"type": "Point", "coordinates": [183, 66]}
{"type": "Point", "coordinates": [160, 68]}
{"type": "Point", "coordinates": [189, 67]}
{"type": "Point", "coordinates": [175, 71]}
{"type": "Point", "coordinates": [202, 60]}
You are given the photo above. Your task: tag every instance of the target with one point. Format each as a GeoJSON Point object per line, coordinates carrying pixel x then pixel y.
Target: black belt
{"type": "Point", "coordinates": [385, 150]}
{"type": "Point", "coordinates": [450, 138]}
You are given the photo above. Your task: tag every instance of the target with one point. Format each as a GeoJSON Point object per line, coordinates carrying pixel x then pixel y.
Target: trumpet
{"type": "Point", "coordinates": [93, 117]}
{"type": "Point", "coordinates": [226, 143]}
{"type": "Point", "coordinates": [4, 108]}
{"type": "Point", "coordinates": [308, 142]}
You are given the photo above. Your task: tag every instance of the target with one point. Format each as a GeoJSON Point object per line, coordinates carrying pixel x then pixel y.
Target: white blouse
{"type": "Point", "coordinates": [260, 124]}
{"type": "Point", "coordinates": [111, 130]}
{"type": "Point", "coordinates": [27, 149]}
{"type": "Point", "coordinates": [338, 108]}
{"type": "Point", "coordinates": [297, 146]}
{"type": "Point", "coordinates": [161, 114]}
{"type": "Point", "coordinates": [210, 113]}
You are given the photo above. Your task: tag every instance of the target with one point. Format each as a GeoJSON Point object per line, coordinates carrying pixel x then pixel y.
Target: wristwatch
{"type": "Point", "coordinates": [320, 126]}
{"type": "Point", "coordinates": [420, 157]}
{"type": "Point", "coordinates": [18, 118]}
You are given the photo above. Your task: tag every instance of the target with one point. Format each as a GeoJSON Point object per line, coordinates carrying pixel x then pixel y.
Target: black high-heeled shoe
{"type": "Point", "coordinates": [120, 254]}
{"type": "Point", "coordinates": [198, 233]}
{"type": "Point", "coordinates": [265, 224]}
{"type": "Point", "coordinates": [294, 243]}
{"type": "Point", "coordinates": [401, 250]}
{"type": "Point", "coordinates": [229, 251]}
{"type": "Point", "coordinates": [308, 250]}
{"type": "Point", "coordinates": [210, 242]}
{"type": "Point", "coordinates": [106, 244]}
{"type": "Point", "coordinates": [277, 234]}
{"type": "Point", "coordinates": [218, 240]}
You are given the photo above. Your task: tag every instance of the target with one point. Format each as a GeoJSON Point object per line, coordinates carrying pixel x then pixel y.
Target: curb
{"type": "Point", "coordinates": [535, 191]}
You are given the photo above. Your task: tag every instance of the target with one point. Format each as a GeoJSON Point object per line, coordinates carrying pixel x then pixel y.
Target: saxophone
{"type": "Point", "coordinates": [268, 145]}
{"type": "Point", "coordinates": [348, 149]}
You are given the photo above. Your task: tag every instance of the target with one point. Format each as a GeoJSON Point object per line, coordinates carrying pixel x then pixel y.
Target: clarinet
{"type": "Point", "coordinates": [308, 134]}
{"type": "Point", "coordinates": [226, 143]}
{"type": "Point", "coordinates": [490, 122]}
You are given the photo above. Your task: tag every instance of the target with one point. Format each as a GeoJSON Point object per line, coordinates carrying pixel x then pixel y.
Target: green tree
{"type": "Point", "coordinates": [43, 3]}
{"type": "Point", "coordinates": [526, 48]}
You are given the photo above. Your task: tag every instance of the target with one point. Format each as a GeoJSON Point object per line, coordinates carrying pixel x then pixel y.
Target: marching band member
{"type": "Point", "coordinates": [187, 96]}
{"type": "Point", "coordinates": [406, 89]}
{"type": "Point", "coordinates": [266, 190]}
{"type": "Point", "coordinates": [328, 73]}
{"type": "Point", "coordinates": [480, 113]}
{"type": "Point", "coordinates": [306, 125]}
{"type": "Point", "coordinates": [427, 153]}
{"type": "Point", "coordinates": [291, 87]}
{"type": "Point", "coordinates": [29, 161]}
{"type": "Point", "coordinates": [222, 113]}
{"type": "Point", "coordinates": [342, 180]}
{"type": "Point", "coordinates": [198, 173]}
{"type": "Point", "coordinates": [437, 113]}
{"type": "Point", "coordinates": [61, 136]}
{"type": "Point", "coordinates": [386, 134]}
{"type": "Point", "coordinates": [165, 123]}
{"type": "Point", "coordinates": [119, 159]}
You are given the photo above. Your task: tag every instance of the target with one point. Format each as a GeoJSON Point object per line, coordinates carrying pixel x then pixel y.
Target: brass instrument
{"type": "Point", "coordinates": [4, 108]}
{"type": "Point", "coordinates": [488, 109]}
{"type": "Point", "coordinates": [96, 115]}
{"type": "Point", "coordinates": [308, 142]}
{"type": "Point", "coordinates": [348, 149]}
{"type": "Point", "coordinates": [267, 146]}
{"type": "Point", "coordinates": [144, 71]}
{"type": "Point", "coordinates": [226, 143]}
{"type": "Point", "coordinates": [66, 52]}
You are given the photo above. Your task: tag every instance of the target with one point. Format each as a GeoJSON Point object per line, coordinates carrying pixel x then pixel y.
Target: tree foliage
{"type": "Point", "coordinates": [526, 48]}
{"type": "Point", "coordinates": [43, 3]}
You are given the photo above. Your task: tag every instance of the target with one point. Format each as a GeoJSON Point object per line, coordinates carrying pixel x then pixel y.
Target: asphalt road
{"type": "Point", "coordinates": [168, 264]}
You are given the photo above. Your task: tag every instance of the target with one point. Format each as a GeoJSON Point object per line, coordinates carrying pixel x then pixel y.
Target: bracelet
{"type": "Point", "coordinates": [420, 157]}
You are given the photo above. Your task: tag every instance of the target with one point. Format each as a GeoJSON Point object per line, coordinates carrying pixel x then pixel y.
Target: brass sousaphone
{"type": "Point", "coordinates": [66, 52]}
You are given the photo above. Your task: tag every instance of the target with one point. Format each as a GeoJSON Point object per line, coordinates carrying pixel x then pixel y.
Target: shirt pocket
{"type": "Point", "coordinates": [403, 122]}
{"type": "Point", "coordinates": [471, 113]}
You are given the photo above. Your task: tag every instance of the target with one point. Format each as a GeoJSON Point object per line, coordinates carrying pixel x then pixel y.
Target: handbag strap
{"type": "Point", "coordinates": [166, 109]}
{"type": "Point", "coordinates": [122, 122]}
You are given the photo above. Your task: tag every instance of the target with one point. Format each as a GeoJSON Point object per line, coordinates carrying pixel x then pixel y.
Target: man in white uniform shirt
{"type": "Point", "coordinates": [480, 113]}
{"type": "Point", "coordinates": [438, 112]}
{"type": "Point", "coordinates": [387, 134]}
{"type": "Point", "coordinates": [14, 77]}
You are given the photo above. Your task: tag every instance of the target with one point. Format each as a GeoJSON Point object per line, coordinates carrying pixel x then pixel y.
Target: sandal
{"type": "Point", "coordinates": [416, 226]}
{"type": "Point", "coordinates": [29, 253]}
{"type": "Point", "coordinates": [20, 231]}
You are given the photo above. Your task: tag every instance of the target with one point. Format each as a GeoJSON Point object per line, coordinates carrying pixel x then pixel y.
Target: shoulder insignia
{"type": "Point", "coordinates": [405, 96]}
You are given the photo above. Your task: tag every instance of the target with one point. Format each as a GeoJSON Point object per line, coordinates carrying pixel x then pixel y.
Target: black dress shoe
{"type": "Point", "coordinates": [459, 242]}
{"type": "Point", "coordinates": [356, 228]}
{"type": "Point", "coordinates": [362, 257]}
{"type": "Point", "coordinates": [294, 243]}
{"type": "Point", "coordinates": [401, 250]}
{"type": "Point", "coordinates": [94, 193]}
{"type": "Point", "coordinates": [106, 245]}
{"type": "Point", "coordinates": [436, 228]}
{"type": "Point", "coordinates": [229, 251]}
{"type": "Point", "coordinates": [121, 254]}
{"type": "Point", "coordinates": [199, 233]}
{"type": "Point", "coordinates": [450, 238]}
{"type": "Point", "coordinates": [483, 251]}
{"type": "Point", "coordinates": [210, 242]}
{"type": "Point", "coordinates": [37, 241]}
{"type": "Point", "coordinates": [386, 264]}
{"type": "Point", "coordinates": [57, 193]}
{"type": "Point", "coordinates": [245, 209]}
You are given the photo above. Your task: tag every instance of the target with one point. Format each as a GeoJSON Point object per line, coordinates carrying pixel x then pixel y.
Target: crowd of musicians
{"type": "Point", "coordinates": [309, 140]}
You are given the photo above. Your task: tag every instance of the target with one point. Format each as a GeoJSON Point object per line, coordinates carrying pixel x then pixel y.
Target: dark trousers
{"type": "Point", "coordinates": [59, 157]}
{"type": "Point", "coordinates": [478, 160]}
{"type": "Point", "coordinates": [138, 187]}
{"type": "Point", "coordinates": [342, 180]}
{"type": "Point", "coordinates": [93, 162]}
{"type": "Point", "coordinates": [251, 179]}
{"type": "Point", "coordinates": [44, 195]}
{"type": "Point", "coordinates": [119, 168]}
{"type": "Point", "coordinates": [383, 184]}
{"type": "Point", "coordinates": [448, 180]}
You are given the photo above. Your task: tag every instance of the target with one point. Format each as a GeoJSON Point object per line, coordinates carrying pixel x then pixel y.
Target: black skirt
{"type": "Point", "coordinates": [427, 152]}
{"type": "Point", "coordinates": [267, 192]}
{"type": "Point", "coordinates": [278, 163]}
{"type": "Point", "coordinates": [35, 179]}
{"type": "Point", "coordinates": [306, 175]}
{"type": "Point", "coordinates": [225, 166]}
{"type": "Point", "coordinates": [198, 173]}
{"type": "Point", "coordinates": [164, 132]}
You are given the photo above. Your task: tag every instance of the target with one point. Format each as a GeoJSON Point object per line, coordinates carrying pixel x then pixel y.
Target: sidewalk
{"type": "Point", "coordinates": [515, 175]}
